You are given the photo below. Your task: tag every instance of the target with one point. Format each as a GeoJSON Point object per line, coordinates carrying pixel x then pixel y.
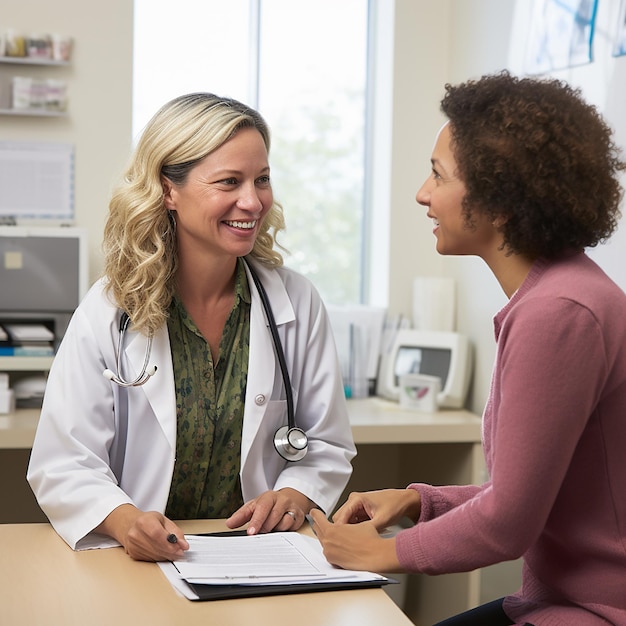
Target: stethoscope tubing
{"type": "Point", "coordinates": [144, 374]}
{"type": "Point", "coordinates": [278, 347]}
{"type": "Point", "coordinates": [290, 442]}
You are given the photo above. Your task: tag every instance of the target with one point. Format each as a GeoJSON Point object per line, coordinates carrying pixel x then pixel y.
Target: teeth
{"type": "Point", "coordinates": [244, 225]}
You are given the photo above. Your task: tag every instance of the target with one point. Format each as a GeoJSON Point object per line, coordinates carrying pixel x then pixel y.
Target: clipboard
{"type": "Point", "coordinates": [227, 592]}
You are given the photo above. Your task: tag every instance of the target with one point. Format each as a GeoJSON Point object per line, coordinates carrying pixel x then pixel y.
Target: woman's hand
{"type": "Point", "coordinates": [144, 535]}
{"type": "Point", "coordinates": [383, 508]}
{"type": "Point", "coordinates": [273, 510]}
{"type": "Point", "coordinates": [357, 547]}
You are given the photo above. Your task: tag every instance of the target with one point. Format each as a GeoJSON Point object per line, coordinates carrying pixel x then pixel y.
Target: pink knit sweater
{"type": "Point", "coordinates": [554, 438]}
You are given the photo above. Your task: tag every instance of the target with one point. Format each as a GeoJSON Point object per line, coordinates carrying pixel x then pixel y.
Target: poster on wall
{"type": "Point", "coordinates": [37, 181]}
{"type": "Point", "coordinates": [561, 34]}
{"type": "Point", "coordinates": [619, 49]}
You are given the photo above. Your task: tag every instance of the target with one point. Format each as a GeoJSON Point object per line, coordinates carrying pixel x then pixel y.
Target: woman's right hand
{"type": "Point", "coordinates": [384, 508]}
{"type": "Point", "coordinates": [144, 535]}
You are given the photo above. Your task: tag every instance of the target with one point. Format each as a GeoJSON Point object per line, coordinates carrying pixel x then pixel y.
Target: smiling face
{"type": "Point", "coordinates": [443, 193]}
{"type": "Point", "coordinates": [220, 207]}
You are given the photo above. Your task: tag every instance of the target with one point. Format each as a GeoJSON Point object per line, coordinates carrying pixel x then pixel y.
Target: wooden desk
{"type": "Point", "coordinates": [17, 430]}
{"type": "Point", "coordinates": [373, 420]}
{"type": "Point", "coordinates": [395, 447]}
{"type": "Point", "coordinates": [42, 581]}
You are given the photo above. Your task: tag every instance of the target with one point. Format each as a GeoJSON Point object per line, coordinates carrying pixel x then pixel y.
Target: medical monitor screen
{"type": "Point", "coordinates": [429, 361]}
{"type": "Point", "coordinates": [39, 274]}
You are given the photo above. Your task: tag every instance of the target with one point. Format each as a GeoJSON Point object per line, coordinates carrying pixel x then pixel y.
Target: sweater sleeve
{"type": "Point", "coordinates": [540, 401]}
{"type": "Point", "coordinates": [436, 501]}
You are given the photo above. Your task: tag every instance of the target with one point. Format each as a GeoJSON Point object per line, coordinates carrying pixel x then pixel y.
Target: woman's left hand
{"type": "Point", "coordinates": [355, 546]}
{"type": "Point", "coordinates": [273, 510]}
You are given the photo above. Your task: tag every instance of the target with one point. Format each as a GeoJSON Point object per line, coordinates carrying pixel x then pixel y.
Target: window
{"type": "Point", "coordinates": [303, 65]}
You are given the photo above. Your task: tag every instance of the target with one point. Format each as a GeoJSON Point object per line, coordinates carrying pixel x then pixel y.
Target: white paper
{"type": "Point", "coordinates": [274, 558]}
{"type": "Point", "coordinates": [29, 332]}
{"type": "Point", "coordinates": [358, 331]}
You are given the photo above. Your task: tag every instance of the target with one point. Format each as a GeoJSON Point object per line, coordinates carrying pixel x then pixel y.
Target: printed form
{"type": "Point", "coordinates": [267, 559]}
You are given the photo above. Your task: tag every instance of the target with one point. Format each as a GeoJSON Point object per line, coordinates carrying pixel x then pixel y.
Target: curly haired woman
{"type": "Point", "coordinates": [525, 175]}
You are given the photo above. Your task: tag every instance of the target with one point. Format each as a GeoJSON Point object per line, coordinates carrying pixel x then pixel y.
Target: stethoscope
{"type": "Point", "coordinates": [145, 373]}
{"type": "Point", "coordinates": [290, 441]}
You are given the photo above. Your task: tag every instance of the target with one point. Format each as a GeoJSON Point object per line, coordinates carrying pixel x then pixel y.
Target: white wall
{"type": "Point", "coordinates": [421, 60]}
{"type": "Point", "coordinates": [99, 89]}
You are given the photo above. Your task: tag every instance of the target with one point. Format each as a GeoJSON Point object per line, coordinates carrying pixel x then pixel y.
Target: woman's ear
{"type": "Point", "coordinates": [500, 221]}
{"type": "Point", "coordinates": [168, 200]}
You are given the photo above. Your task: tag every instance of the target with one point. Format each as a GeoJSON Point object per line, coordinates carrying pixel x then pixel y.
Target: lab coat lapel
{"type": "Point", "coordinates": [276, 294]}
{"type": "Point", "coordinates": [263, 369]}
{"type": "Point", "coordinates": [159, 389]}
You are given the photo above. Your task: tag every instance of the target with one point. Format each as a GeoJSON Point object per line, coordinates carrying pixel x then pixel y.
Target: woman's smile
{"type": "Point", "coordinates": [241, 225]}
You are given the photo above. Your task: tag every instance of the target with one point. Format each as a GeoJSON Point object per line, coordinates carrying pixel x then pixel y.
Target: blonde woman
{"type": "Point", "coordinates": [183, 421]}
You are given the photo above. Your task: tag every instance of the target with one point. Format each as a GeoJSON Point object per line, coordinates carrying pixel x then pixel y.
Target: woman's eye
{"type": "Point", "coordinates": [229, 181]}
{"type": "Point", "coordinates": [263, 180]}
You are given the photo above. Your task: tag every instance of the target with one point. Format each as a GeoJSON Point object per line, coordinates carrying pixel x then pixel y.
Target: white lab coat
{"type": "Point", "coordinates": [70, 468]}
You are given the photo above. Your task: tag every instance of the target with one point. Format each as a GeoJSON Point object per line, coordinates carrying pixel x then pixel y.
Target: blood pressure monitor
{"type": "Point", "coordinates": [446, 355]}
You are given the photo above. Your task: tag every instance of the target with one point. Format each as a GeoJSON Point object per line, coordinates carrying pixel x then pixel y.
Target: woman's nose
{"type": "Point", "coordinates": [423, 194]}
{"type": "Point", "coordinates": [249, 198]}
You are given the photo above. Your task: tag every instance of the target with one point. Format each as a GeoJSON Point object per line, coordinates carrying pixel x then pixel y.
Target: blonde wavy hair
{"type": "Point", "coordinates": [140, 236]}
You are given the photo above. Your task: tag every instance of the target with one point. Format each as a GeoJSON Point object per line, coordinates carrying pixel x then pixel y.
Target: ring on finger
{"type": "Point", "coordinates": [291, 514]}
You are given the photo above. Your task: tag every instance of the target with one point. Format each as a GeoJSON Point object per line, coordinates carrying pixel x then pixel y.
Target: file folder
{"type": "Point", "coordinates": [226, 592]}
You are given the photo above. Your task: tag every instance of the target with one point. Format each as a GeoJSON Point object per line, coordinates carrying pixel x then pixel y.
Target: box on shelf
{"type": "Point", "coordinates": [7, 401]}
{"type": "Point", "coordinates": [36, 46]}
{"type": "Point", "coordinates": [29, 391]}
{"type": "Point", "coordinates": [38, 93]}
{"type": "Point", "coordinates": [29, 339]}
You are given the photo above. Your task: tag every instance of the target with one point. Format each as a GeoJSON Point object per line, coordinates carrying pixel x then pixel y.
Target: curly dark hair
{"type": "Point", "coordinates": [534, 154]}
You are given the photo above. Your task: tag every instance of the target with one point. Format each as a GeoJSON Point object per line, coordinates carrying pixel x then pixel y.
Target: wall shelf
{"type": "Point", "coordinates": [31, 61]}
{"type": "Point", "coordinates": [33, 112]}
{"type": "Point", "coordinates": [25, 363]}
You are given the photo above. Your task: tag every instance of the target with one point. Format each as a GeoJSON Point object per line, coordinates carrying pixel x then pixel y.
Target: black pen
{"type": "Point", "coordinates": [172, 538]}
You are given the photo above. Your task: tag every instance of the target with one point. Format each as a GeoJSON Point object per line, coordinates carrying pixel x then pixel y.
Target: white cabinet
{"type": "Point", "coordinates": [20, 368]}
{"type": "Point", "coordinates": [30, 296]}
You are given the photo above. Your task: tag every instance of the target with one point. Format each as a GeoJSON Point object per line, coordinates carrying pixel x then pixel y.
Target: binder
{"type": "Point", "coordinates": [226, 592]}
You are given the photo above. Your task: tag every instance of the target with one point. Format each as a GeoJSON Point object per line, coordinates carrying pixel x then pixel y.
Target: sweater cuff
{"type": "Point", "coordinates": [433, 504]}
{"type": "Point", "coordinates": [409, 550]}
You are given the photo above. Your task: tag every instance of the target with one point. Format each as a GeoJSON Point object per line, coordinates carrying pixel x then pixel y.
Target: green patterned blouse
{"type": "Point", "coordinates": [209, 406]}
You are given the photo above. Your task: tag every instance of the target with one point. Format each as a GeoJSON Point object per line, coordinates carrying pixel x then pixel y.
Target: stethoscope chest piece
{"type": "Point", "coordinates": [291, 443]}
